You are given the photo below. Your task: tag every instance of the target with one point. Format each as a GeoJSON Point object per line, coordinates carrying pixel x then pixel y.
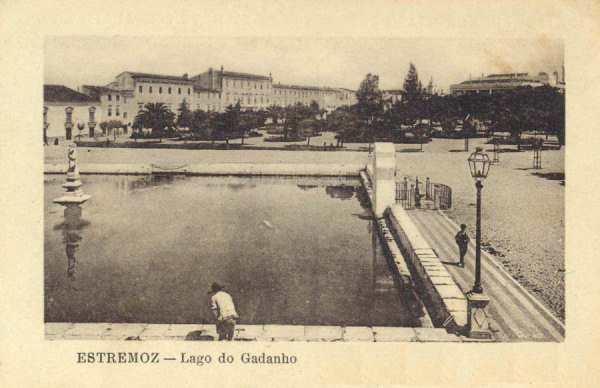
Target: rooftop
{"type": "Point", "coordinates": [282, 86]}
{"type": "Point", "coordinates": [234, 74]}
{"type": "Point", "coordinates": [159, 76]}
{"type": "Point", "coordinates": [61, 93]}
{"type": "Point", "coordinates": [95, 91]}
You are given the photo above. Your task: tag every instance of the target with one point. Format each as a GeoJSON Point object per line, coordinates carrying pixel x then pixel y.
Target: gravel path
{"type": "Point", "coordinates": [522, 213]}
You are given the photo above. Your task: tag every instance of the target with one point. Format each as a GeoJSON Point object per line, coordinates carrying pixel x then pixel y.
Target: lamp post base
{"type": "Point", "coordinates": [478, 321]}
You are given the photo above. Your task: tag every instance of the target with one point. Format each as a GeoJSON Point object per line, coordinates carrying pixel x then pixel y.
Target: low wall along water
{"type": "Point", "coordinates": [446, 303]}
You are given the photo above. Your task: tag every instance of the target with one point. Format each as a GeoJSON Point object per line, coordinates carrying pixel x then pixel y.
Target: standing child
{"type": "Point", "coordinates": [462, 240]}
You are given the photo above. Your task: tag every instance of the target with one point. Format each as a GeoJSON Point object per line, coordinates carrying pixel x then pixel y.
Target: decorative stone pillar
{"type": "Point", "coordinates": [478, 321]}
{"type": "Point", "coordinates": [46, 125]}
{"type": "Point", "coordinates": [385, 169]}
{"type": "Point", "coordinates": [74, 195]}
{"type": "Point", "coordinates": [68, 122]}
{"type": "Point", "coordinates": [92, 121]}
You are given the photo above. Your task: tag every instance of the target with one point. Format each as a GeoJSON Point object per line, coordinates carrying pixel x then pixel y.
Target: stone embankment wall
{"type": "Point", "coordinates": [444, 300]}
{"type": "Point", "coordinates": [401, 268]}
{"type": "Point", "coordinates": [225, 169]}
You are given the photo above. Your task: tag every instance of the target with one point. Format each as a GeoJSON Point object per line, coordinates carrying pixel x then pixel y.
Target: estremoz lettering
{"type": "Point", "coordinates": [118, 357]}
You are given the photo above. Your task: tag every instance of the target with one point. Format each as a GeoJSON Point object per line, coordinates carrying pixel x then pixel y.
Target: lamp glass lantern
{"type": "Point", "coordinates": [479, 164]}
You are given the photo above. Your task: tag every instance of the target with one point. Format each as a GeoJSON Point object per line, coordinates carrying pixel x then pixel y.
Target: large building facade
{"type": "Point", "coordinates": [498, 82]}
{"type": "Point", "coordinates": [212, 90]}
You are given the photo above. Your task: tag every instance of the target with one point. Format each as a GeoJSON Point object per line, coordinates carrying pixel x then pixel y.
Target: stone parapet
{"type": "Point", "coordinates": [265, 333]}
{"type": "Point", "coordinates": [443, 298]}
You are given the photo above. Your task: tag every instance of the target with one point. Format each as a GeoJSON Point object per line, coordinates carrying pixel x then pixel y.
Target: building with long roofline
{"type": "Point", "coordinates": [498, 82]}
{"type": "Point", "coordinates": [212, 90]}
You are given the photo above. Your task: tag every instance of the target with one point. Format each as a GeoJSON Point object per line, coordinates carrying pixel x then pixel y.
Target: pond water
{"type": "Point", "coordinates": [147, 249]}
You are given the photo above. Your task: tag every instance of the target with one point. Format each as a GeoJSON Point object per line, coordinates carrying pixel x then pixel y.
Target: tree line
{"type": "Point", "coordinates": [297, 122]}
{"type": "Point", "coordinates": [515, 111]}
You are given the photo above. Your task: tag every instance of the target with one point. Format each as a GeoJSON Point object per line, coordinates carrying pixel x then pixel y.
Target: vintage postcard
{"type": "Point", "coordinates": [323, 209]}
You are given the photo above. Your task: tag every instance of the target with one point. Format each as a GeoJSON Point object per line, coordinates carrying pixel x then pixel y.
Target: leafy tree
{"type": "Point", "coordinates": [370, 102]}
{"type": "Point", "coordinates": [315, 110]}
{"type": "Point", "coordinates": [250, 120]}
{"type": "Point", "coordinates": [275, 112]}
{"type": "Point", "coordinates": [448, 124]}
{"type": "Point", "coordinates": [113, 126]}
{"type": "Point", "coordinates": [156, 116]}
{"type": "Point", "coordinates": [103, 127]}
{"type": "Point", "coordinates": [211, 125]}
{"type": "Point", "coordinates": [429, 89]}
{"type": "Point", "coordinates": [231, 121]}
{"type": "Point", "coordinates": [345, 122]}
{"type": "Point", "coordinates": [185, 117]}
{"type": "Point", "coordinates": [198, 121]}
{"type": "Point", "coordinates": [306, 128]}
{"type": "Point", "coordinates": [412, 89]}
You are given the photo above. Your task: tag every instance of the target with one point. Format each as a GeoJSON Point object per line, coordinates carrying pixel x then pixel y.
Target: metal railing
{"type": "Point", "coordinates": [411, 195]}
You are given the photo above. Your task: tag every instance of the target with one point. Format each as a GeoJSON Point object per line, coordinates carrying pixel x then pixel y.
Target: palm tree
{"type": "Point", "coordinates": [274, 112]}
{"type": "Point", "coordinates": [156, 116]}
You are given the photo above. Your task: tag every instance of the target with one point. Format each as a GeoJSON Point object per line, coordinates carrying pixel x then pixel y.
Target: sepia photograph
{"type": "Point", "coordinates": [304, 189]}
{"type": "Point", "coordinates": [299, 193]}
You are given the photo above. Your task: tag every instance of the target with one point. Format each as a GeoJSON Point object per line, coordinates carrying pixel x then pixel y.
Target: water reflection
{"type": "Point", "coordinates": [126, 185]}
{"type": "Point", "coordinates": [307, 187]}
{"type": "Point", "coordinates": [387, 287]}
{"type": "Point", "coordinates": [240, 186]}
{"type": "Point", "coordinates": [72, 224]}
{"type": "Point", "coordinates": [340, 191]}
{"type": "Point", "coordinates": [150, 247]}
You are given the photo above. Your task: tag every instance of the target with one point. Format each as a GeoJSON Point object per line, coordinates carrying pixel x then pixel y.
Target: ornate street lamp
{"type": "Point", "coordinates": [478, 323]}
{"type": "Point", "coordinates": [479, 164]}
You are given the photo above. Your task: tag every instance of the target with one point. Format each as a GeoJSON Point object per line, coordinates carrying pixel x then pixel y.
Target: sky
{"type": "Point", "coordinates": [333, 62]}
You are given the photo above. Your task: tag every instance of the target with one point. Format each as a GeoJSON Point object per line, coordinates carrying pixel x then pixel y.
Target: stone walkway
{"type": "Point", "coordinates": [181, 332]}
{"type": "Point", "coordinates": [515, 314]}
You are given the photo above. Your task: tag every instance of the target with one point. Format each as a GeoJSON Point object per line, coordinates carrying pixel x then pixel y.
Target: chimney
{"type": "Point", "coordinates": [555, 77]}
{"type": "Point", "coordinates": [221, 69]}
{"type": "Point", "coordinates": [185, 75]}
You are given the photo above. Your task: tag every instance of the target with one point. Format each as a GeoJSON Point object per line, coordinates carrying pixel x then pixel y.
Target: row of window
{"type": "Point", "coordinates": [117, 97]}
{"type": "Point", "coordinates": [248, 85]}
{"type": "Point", "coordinates": [297, 93]}
{"type": "Point", "coordinates": [117, 112]}
{"type": "Point", "coordinates": [160, 90]}
{"type": "Point", "coordinates": [243, 99]}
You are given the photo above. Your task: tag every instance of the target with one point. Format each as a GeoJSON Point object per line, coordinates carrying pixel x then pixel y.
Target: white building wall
{"type": "Point", "coordinates": [56, 117]}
